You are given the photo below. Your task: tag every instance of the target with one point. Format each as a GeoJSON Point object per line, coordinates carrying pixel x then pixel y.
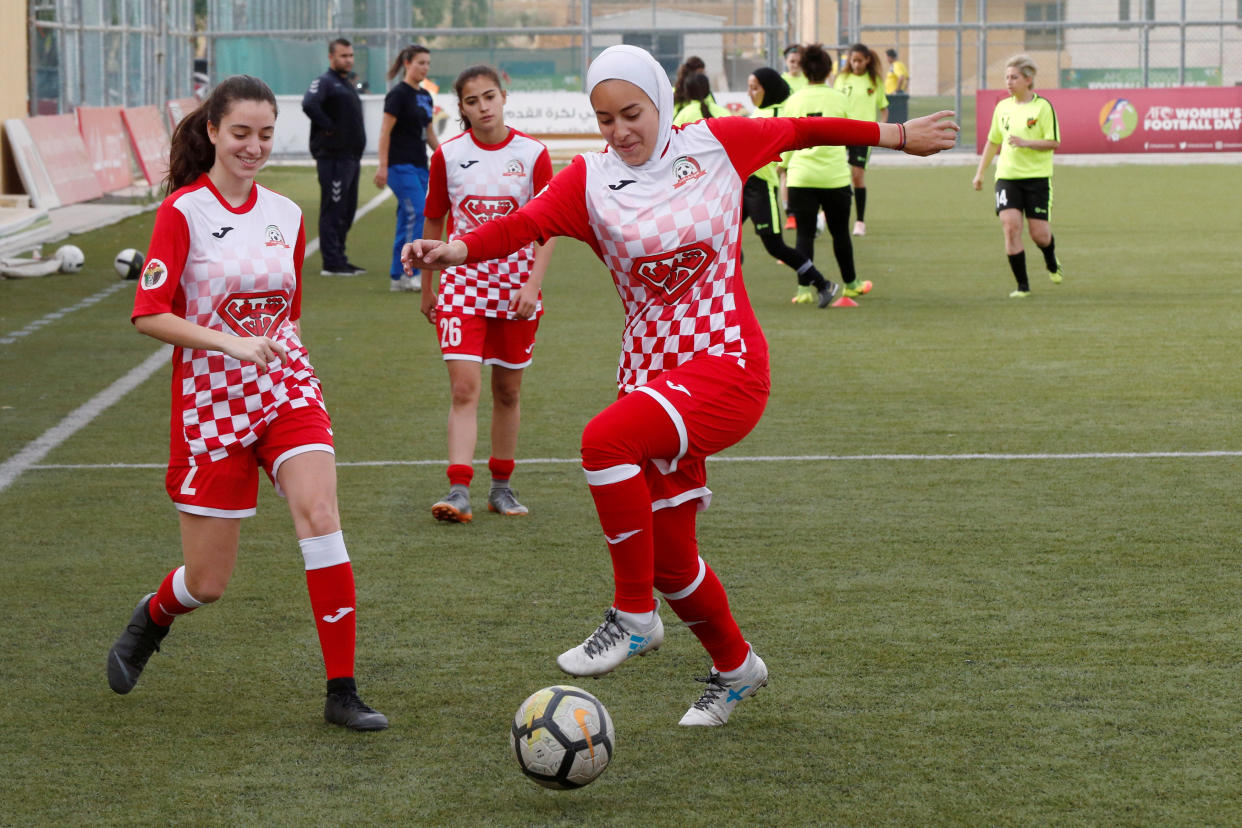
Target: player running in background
{"type": "Point", "coordinates": [661, 207]}
{"type": "Point", "coordinates": [818, 178]}
{"type": "Point", "coordinates": [1024, 134]}
{"type": "Point", "coordinates": [768, 92]}
{"type": "Point", "coordinates": [223, 285]}
{"type": "Point", "coordinates": [485, 313]}
{"type": "Point", "coordinates": [864, 93]}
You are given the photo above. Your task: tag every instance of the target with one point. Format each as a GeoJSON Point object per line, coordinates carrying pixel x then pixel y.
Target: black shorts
{"type": "Point", "coordinates": [858, 156]}
{"type": "Point", "coordinates": [1033, 196]}
{"type": "Point", "coordinates": [759, 205]}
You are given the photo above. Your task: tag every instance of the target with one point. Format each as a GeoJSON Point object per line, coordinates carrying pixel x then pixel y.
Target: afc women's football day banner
{"type": "Point", "coordinates": [1176, 119]}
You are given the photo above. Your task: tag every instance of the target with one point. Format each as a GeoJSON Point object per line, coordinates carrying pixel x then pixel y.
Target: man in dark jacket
{"type": "Point", "coordinates": [337, 139]}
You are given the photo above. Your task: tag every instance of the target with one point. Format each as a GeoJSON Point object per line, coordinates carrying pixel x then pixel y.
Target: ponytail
{"type": "Point", "coordinates": [191, 152]}
{"type": "Point", "coordinates": [405, 56]}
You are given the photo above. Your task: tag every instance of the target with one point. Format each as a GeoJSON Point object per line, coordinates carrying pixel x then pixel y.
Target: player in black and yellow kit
{"type": "Point", "coordinates": [1024, 134]}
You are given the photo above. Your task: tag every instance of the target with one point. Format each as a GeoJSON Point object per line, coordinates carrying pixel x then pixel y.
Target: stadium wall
{"type": "Point", "coordinates": [13, 101]}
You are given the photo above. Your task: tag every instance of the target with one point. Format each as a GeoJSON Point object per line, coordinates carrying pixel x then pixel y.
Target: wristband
{"type": "Point", "coordinates": [902, 144]}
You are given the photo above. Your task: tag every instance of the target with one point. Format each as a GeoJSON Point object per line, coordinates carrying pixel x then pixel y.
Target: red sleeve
{"type": "Point", "coordinates": [160, 283]}
{"type": "Point", "coordinates": [543, 170]}
{"type": "Point", "coordinates": [299, 256]}
{"type": "Point", "coordinates": [559, 210]}
{"type": "Point", "coordinates": [437, 188]}
{"type": "Point", "coordinates": [754, 142]}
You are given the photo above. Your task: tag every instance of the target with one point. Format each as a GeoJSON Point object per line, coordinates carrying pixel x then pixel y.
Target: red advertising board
{"type": "Point", "coordinates": [107, 145]}
{"type": "Point", "coordinates": [149, 140]}
{"type": "Point", "coordinates": [1177, 119]}
{"type": "Point", "coordinates": [60, 147]}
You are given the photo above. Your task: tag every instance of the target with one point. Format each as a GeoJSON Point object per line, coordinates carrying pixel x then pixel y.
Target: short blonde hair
{"type": "Point", "coordinates": [1023, 64]}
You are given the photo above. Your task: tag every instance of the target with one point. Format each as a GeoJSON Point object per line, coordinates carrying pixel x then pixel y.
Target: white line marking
{"type": "Point", "coordinates": [39, 448]}
{"type": "Point", "coordinates": [36, 450]}
{"type": "Point", "coordinates": [13, 336]}
{"type": "Point", "coordinates": [806, 458]}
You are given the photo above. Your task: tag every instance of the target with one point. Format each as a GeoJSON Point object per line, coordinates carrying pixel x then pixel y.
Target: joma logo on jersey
{"type": "Point", "coordinates": [255, 314]}
{"type": "Point", "coordinates": [669, 275]}
{"type": "Point", "coordinates": [483, 209]}
{"type": "Point", "coordinates": [514, 167]}
{"type": "Point", "coordinates": [685, 170]}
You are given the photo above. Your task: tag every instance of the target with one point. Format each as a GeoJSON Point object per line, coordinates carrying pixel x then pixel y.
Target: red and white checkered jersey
{"type": "Point", "coordinates": [669, 232]}
{"type": "Point", "coordinates": [236, 270]}
{"type": "Point", "coordinates": [475, 183]}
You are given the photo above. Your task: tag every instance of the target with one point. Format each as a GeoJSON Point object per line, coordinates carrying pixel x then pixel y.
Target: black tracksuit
{"type": "Point", "coordinates": [337, 140]}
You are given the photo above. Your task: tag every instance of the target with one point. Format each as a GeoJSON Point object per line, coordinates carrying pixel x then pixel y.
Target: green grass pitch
{"type": "Point", "coordinates": [1048, 635]}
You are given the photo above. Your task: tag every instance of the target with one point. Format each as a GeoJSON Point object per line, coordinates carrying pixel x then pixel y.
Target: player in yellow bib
{"type": "Point", "coordinates": [865, 101]}
{"type": "Point", "coordinates": [1024, 134]}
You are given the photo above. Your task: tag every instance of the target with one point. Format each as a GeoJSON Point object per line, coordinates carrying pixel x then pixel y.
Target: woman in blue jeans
{"type": "Point", "coordinates": [404, 137]}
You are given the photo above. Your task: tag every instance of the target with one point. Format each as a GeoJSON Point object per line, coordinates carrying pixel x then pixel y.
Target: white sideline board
{"type": "Point", "coordinates": [30, 166]}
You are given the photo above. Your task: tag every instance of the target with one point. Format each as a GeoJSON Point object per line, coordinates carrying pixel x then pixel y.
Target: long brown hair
{"type": "Point", "coordinates": [873, 61]}
{"type": "Point", "coordinates": [693, 66]}
{"type": "Point", "coordinates": [405, 56]}
{"type": "Point", "coordinates": [468, 74]}
{"type": "Point", "coordinates": [191, 152]}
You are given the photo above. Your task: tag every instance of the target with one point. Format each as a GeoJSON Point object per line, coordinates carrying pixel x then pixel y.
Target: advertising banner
{"type": "Point", "coordinates": [149, 140]}
{"type": "Point", "coordinates": [1178, 119]}
{"type": "Point", "coordinates": [60, 147]}
{"type": "Point", "coordinates": [34, 175]}
{"type": "Point", "coordinates": [178, 108]}
{"type": "Point", "coordinates": [107, 145]}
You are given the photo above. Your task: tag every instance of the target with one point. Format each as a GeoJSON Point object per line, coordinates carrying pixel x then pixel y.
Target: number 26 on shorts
{"type": "Point", "coordinates": [450, 331]}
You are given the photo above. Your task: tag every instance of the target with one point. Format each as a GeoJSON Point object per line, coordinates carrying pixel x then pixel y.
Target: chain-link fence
{"type": "Point", "coordinates": [109, 53]}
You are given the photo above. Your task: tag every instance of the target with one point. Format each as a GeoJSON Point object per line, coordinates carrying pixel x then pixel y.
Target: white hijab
{"type": "Point", "coordinates": [630, 63]}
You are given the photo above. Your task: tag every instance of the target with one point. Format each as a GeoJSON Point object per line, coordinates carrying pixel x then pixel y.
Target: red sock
{"type": "Point", "coordinates": [172, 599]}
{"type": "Point", "coordinates": [693, 591]}
{"type": "Point", "coordinates": [624, 509]}
{"type": "Point", "coordinates": [330, 582]}
{"type": "Point", "coordinates": [501, 470]}
{"type": "Point", "coordinates": [460, 474]}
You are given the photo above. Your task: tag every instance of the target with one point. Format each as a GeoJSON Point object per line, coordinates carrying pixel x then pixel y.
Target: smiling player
{"type": "Point", "coordinates": [223, 285]}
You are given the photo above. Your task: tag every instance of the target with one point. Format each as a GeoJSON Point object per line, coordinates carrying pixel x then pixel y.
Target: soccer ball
{"type": "Point", "coordinates": [562, 737]}
{"type": "Point", "coordinates": [128, 263]}
{"type": "Point", "coordinates": [71, 258]}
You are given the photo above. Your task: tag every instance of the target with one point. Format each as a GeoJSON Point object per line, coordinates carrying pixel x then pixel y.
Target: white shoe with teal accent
{"type": "Point", "coordinates": [611, 643]}
{"type": "Point", "coordinates": [721, 696]}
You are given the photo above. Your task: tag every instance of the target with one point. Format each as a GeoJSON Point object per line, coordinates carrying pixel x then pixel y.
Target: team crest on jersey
{"type": "Point", "coordinates": [1030, 122]}
{"type": "Point", "coordinates": [685, 170]}
{"type": "Point", "coordinates": [154, 274]}
{"type": "Point", "coordinates": [515, 167]}
{"type": "Point", "coordinates": [255, 314]}
{"type": "Point", "coordinates": [274, 237]}
{"type": "Point", "coordinates": [482, 209]}
{"type": "Point", "coordinates": [669, 275]}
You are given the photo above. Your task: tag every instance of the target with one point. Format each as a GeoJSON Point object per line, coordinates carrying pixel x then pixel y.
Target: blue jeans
{"type": "Point", "coordinates": [409, 185]}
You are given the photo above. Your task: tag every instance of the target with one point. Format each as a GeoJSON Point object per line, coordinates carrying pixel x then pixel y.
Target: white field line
{"type": "Point", "coordinates": [13, 336]}
{"type": "Point", "coordinates": [39, 448]}
{"type": "Point", "coordinates": [802, 458]}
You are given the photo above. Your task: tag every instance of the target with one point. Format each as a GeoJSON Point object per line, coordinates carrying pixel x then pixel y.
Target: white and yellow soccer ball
{"type": "Point", "coordinates": [71, 258]}
{"type": "Point", "coordinates": [562, 737]}
{"type": "Point", "coordinates": [128, 263]}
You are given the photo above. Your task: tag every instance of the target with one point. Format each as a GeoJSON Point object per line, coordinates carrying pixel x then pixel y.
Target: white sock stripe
{"type": "Point", "coordinates": [702, 494]}
{"type": "Point", "coordinates": [677, 596]}
{"type": "Point", "coordinates": [324, 551]}
{"type": "Point", "coordinates": [678, 423]}
{"type": "Point", "coordinates": [182, 592]}
{"type": "Point", "coordinates": [612, 474]}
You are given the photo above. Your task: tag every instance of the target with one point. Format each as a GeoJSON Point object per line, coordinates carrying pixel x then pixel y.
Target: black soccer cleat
{"type": "Point", "coordinates": [827, 292]}
{"type": "Point", "coordinates": [343, 707]}
{"type": "Point", "coordinates": [129, 654]}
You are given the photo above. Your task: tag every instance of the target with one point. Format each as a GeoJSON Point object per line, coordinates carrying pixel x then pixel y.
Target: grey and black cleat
{"type": "Point", "coordinates": [344, 707]}
{"type": "Point", "coordinates": [130, 652]}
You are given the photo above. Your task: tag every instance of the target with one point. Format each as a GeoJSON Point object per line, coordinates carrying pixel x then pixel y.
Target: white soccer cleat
{"type": "Point", "coordinates": [860, 228]}
{"type": "Point", "coordinates": [610, 644]}
{"type": "Point", "coordinates": [718, 700]}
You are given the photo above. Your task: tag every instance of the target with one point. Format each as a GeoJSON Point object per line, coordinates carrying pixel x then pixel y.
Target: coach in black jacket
{"type": "Point", "coordinates": [337, 139]}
